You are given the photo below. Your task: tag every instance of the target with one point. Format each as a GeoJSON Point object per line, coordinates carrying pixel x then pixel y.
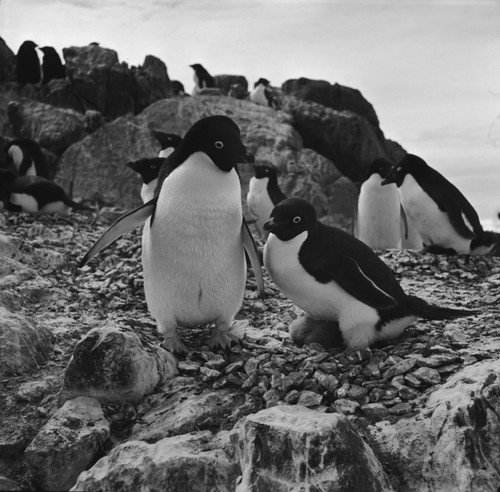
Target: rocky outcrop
{"type": "Point", "coordinates": [67, 444]}
{"type": "Point", "coordinates": [7, 63]}
{"type": "Point", "coordinates": [336, 96]}
{"type": "Point", "coordinates": [114, 364]}
{"type": "Point", "coordinates": [53, 128]}
{"type": "Point", "coordinates": [224, 83]}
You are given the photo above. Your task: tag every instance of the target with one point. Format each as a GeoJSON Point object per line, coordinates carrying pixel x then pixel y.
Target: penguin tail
{"type": "Point", "coordinates": [430, 311]}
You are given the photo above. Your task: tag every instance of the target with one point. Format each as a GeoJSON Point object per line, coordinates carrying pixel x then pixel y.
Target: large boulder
{"type": "Point", "coordinates": [95, 168]}
{"type": "Point", "coordinates": [53, 128]}
{"type": "Point", "coordinates": [7, 63]}
{"type": "Point", "coordinates": [336, 96]}
{"type": "Point", "coordinates": [344, 137]}
{"type": "Point", "coordinates": [111, 363]}
{"type": "Point", "coordinates": [224, 83]}
{"type": "Point", "coordinates": [60, 93]}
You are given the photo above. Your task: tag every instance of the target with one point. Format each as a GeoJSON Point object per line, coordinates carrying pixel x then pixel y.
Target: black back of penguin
{"type": "Point", "coordinates": [52, 65]}
{"type": "Point", "coordinates": [203, 78]}
{"type": "Point", "coordinates": [273, 189]}
{"type": "Point", "coordinates": [28, 68]}
{"type": "Point", "coordinates": [32, 155]}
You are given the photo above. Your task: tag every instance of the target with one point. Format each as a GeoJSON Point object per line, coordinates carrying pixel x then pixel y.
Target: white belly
{"type": "Point", "coordinates": [26, 202]}
{"type": "Point", "coordinates": [193, 259]}
{"type": "Point", "coordinates": [258, 95]}
{"type": "Point", "coordinates": [379, 214]}
{"type": "Point", "coordinates": [259, 204]}
{"type": "Point", "coordinates": [148, 190]}
{"type": "Point", "coordinates": [432, 224]}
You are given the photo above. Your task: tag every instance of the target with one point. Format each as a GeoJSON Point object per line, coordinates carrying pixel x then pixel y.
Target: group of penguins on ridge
{"type": "Point", "coordinates": [29, 70]}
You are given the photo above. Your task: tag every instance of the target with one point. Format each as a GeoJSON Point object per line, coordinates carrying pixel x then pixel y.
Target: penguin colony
{"type": "Point", "coordinates": [196, 242]}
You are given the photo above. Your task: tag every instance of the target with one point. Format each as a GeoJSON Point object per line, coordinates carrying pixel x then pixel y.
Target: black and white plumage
{"type": "Point", "coordinates": [26, 157]}
{"type": "Point", "coordinates": [168, 141]}
{"type": "Point", "coordinates": [331, 275]}
{"type": "Point", "coordinates": [261, 93]}
{"type": "Point", "coordinates": [263, 195]}
{"type": "Point", "coordinates": [192, 246]}
{"type": "Point", "coordinates": [202, 79]}
{"type": "Point", "coordinates": [28, 67]}
{"type": "Point", "coordinates": [52, 66]}
{"type": "Point", "coordinates": [443, 217]}
{"type": "Point", "coordinates": [34, 194]}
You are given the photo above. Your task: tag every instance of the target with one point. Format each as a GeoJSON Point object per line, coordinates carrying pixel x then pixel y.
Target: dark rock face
{"type": "Point", "coordinates": [224, 83]}
{"type": "Point", "coordinates": [336, 96]}
{"type": "Point", "coordinates": [7, 63]}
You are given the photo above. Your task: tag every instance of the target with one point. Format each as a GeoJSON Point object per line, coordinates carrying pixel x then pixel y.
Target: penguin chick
{"type": "Point", "coordinates": [192, 245]}
{"type": "Point", "coordinates": [34, 194]}
{"type": "Point", "coordinates": [443, 217]}
{"type": "Point", "coordinates": [331, 275]}
{"type": "Point", "coordinates": [305, 330]}
{"type": "Point", "coordinates": [26, 157]}
{"type": "Point", "coordinates": [263, 195]}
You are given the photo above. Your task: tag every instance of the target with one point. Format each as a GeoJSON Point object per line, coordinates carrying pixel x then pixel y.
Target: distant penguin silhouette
{"type": "Point", "coordinates": [51, 65]}
{"type": "Point", "coordinates": [202, 79]}
{"type": "Point", "coordinates": [260, 94]}
{"type": "Point", "coordinates": [26, 157]}
{"type": "Point", "coordinates": [178, 88]}
{"type": "Point", "coordinates": [33, 194]}
{"type": "Point", "coordinates": [28, 68]}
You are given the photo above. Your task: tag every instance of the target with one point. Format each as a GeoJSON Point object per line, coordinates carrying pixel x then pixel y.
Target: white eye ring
{"type": "Point", "coordinates": [219, 144]}
{"type": "Point", "coordinates": [297, 219]}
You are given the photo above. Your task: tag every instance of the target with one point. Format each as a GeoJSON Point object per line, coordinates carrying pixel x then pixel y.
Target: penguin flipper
{"type": "Point", "coordinates": [348, 274]}
{"type": "Point", "coordinates": [456, 216]}
{"type": "Point", "coordinates": [404, 223]}
{"type": "Point", "coordinates": [253, 254]}
{"type": "Point", "coordinates": [126, 223]}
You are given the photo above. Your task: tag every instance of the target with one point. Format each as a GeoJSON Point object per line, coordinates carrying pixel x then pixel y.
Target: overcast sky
{"type": "Point", "coordinates": [430, 68]}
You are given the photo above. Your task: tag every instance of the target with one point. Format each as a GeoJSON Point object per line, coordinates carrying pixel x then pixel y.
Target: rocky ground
{"type": "Point", "coordinates": [389, 383]}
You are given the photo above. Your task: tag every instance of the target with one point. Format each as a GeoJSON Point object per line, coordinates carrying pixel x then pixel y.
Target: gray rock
{"type": "Point", "coordinates": [67, 444]}
{"type": "Point", "coordinates": [24, 347]}
{"type": "Point", "coordinates": [111, 363]}
{"type": "Point", "coordinates": [188, 462]}
{"type": "Point", "coordinates": [7, 63]}
{"type": "Point", "coordinates": [53, 128]}
{"type": "Point", "coordinates": [8, 485]}
{"type": "Point", "coordinates": [224, 83]}
{"type": "Point", "coordinates": [293, 448]}
{"type": "Point", "coordinates": [309, 399]}
{"type": "Point", "coordinates": [427, 375]}
{"type": "Point", "coordinates": [33, 391]}
{"type": "Point", "coordinates": [402, 367]}
{"type": "Point", "coordinates": [375, 411]}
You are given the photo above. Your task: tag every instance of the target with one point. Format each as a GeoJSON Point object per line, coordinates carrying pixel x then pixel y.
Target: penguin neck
{"type": "Point", "coordinates": [274, 191]}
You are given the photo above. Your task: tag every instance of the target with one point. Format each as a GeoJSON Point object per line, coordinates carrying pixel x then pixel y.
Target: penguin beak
{"type": "Point", "coordinates": [388, 180]}
{"type": "Point", "coordinates": [269, 224]}
{"type": "Point", "coordinates": [248, 158]}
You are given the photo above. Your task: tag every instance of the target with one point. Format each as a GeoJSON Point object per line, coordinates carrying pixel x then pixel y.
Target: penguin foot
{"type": "Point", "coordinates": [174, 345]}
{"type": "Point", "coordinates": [223, 338]}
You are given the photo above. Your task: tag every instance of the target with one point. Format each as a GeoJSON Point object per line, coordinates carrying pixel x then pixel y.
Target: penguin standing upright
{"type": "Point", "coordinates": [28, 68]}
{"type": "Point", "coordinates": [263, 195]}
{"type": "Point", "coordinates": [331, 275]}
{"type": "Point", "coordinates": [34, 194]}
{"type": "Point", "coordinates": [260, 93]}
{"type": "Point", "coordinates": [379, 214]}
{"type": "Point", "coordinates": [26, 157]}
{"type": "Point", "coordinates": [202, 79]}
{"type": "Point", "coordinates": [443, 217]}
{"type": "Point", "coordinates": [52, 66]}
{"type": "Point", "coordinates": [192, 245]}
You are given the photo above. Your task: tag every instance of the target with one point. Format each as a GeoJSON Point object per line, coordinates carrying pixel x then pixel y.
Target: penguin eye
{"type": "Point", "coordinates": [297, 219]}
{"type": "Point", "coordinates": [219, 144]}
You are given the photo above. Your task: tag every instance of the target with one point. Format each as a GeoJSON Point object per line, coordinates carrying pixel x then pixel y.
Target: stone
{"type": "Point", "coordinates": [427, 375]}
{"type": "Point", "coordinates": [53, 128]}
{"type": "Point", "coordinates": [345, 406]}
{"type": "Point", "coordinates": [24, 346]}
{"type": "Point", "coordinates": [60, 93]}
{"type": "Point", "coordinates": [67, 444]}
{"type": "Point", "coordinates": [293, 448]}
{"type": "Point", "coordinates": [8, 485]}
{"type": "Point", "coordinates": [173, 463]}
{"type": "Point", "coordinates": [402, 367]}
{"type": "Point", "coordinates": [33, 391]}
{"type": "Point", "coordinates": [111, 363]}
{"type": "Point", "coordinates": [336, 96]}
{"type": "Point", "coordinates": [224, 83]}
{"type": "Point", "coordinates": [309, 398]}
{"type": "Point", "coordinates": [438, 360]}
{"type": "Point", "coordinates": [7, 63]}
{"type": "Point", "coordinates": [375, 411]}
{"type": "Point", "coordinates": [95, 168]}
{"type": "Point", "coordinates": [326, 381]}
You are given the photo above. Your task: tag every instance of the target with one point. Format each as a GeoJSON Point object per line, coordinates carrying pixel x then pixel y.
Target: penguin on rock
{"type": "Point", "coordinates": [194, 235]}
{"type": "Point", "coordinates": [26, 157]}
{"type": "Point", "coordinates": [443, 217]}
{"type": "Point", "coordinates": [331, 275]}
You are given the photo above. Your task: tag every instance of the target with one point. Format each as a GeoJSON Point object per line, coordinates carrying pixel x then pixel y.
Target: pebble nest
{"type": "Point", "coordinates": [388, 382]}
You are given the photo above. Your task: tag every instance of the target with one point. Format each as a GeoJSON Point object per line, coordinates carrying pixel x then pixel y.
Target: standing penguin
{"type": "Point", "coordinates": [379, 214]}
{"type": "Point", "coordinates": [192, 246]}
{"type": "Point", "coordinates": [202, 79]}
{"type": "Point", "coordinates": [260, 93]}
{"type": "Point", "coordinates": [26, 156]}
{"type": "Point", "coordinates": [28, 69]}
{"type": "Point", "coordinates": [51, 65]}
{"type": "Point", "coordinates": [331, 275]}
{"type": "Point", "coordinates": [33, 194]}
{"type": "Point", "coordinates": [168, 142]}
{"type": "Point", "coordinates": [443, 217]}
{"type": "Point", "coordinates": [263, 195]}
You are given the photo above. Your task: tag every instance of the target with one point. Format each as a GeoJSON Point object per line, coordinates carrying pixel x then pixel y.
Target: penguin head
{"type": "Point", "coordinates": [219, 138]}
{"type": "Point", "coordinates": [381, 166]}
{"type": "Point", "coordinates": [409, 164]}
{"type": "Point", "coordinates": [264, 171]}
{"type": "Point", "coordinates": [167, 140]}
{"type": "Point", "coordinates": [262, 81]}
{"type": "Point", "coordinates": [290, 218]}
{"type": "Point", "coordinates": [28, 45]}
{"type": "Point", "coordinates": [148, 168]}
{"type": "Point", "coordinates": [198, 68]}
{"type": "Point", "coordinates": [177, 87]}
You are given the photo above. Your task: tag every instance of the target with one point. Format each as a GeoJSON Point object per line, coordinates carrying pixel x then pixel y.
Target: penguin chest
{"type": "Point", "coordinates": [379, 214]}
{"type": "Point", "coordinates": [193, 259]}
{"type": "Point", "coordinates": [148, 190]}
{"type": "Point", "coordinates": [432, 224]}
{"type": "Point", "coordinates": [259, 203]}
{"type": "Point", "coordinates": [318, 300]}
{"type": "Point", "coordinates": [258, 95]}
{"type": "Point", "coordinates": [27, 202]}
